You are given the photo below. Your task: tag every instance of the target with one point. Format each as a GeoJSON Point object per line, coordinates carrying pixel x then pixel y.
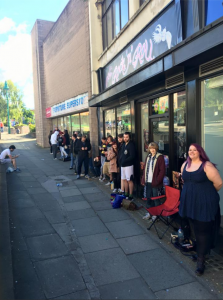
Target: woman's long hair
{"type": "Point", "coordinates": [203, 156]}
{"type": "Point", "coordinates": [115, 150]}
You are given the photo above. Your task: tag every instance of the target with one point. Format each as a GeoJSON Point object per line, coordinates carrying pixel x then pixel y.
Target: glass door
{"type": "Point", "coordinates": [160, 135]}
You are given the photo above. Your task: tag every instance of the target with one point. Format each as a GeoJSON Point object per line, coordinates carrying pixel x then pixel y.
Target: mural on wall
{"type": "Point", "coordinates": [156, 39]}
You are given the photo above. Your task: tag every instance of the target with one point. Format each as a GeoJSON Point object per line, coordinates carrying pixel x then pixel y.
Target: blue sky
{"type": "Point", "coordinates": [17, 18]}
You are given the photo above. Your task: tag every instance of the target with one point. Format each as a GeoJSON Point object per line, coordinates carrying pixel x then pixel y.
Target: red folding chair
{"type": "Point", "coordinates": [169, 208]}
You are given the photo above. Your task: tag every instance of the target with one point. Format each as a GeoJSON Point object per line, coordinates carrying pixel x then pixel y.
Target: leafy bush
{"type": "Point", "coordinates": [32, 128]}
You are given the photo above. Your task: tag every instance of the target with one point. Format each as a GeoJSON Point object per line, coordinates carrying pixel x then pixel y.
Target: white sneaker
{"type": "Point", "coordinates": [147, 216]}
{"type": "Point", "coordinates": [114, 191]}
{"type": "Point", "coordinates": [102, 179]}
{"type": "Point", "coordinates": [108, 183]}
{"type": "Point", "coordinates": [154, 218]}
{"type": "Point", "coordinates": [82, 175]}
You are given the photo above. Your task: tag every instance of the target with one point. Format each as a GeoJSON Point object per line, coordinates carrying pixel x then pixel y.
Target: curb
{"type": "Point", "coordinates": [6, 272]}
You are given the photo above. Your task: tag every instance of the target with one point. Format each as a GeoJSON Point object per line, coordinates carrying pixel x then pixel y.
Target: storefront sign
{"type": "Point", "coordinates": [154, 41]}
{"type": "Point", "coordinates": [69, 106]}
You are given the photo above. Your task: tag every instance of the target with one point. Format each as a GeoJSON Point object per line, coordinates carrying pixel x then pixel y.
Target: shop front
{"type": "Point", "coordinates": [72, 115]}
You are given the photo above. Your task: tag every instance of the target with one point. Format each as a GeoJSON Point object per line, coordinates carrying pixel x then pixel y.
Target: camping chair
{"type": "Point", "coordinates": [165, 210]}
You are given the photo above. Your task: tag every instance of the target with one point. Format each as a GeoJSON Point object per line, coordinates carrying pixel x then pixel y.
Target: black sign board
{"type": "Point", "coordinates": [156, 39]}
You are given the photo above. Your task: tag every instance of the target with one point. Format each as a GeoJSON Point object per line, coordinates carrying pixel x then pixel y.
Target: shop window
{"type": "Point", "coordinates": [212, 122]}
{"type": "Point", "coordinates": [179, 106]}
{"type": "Point", "coordinates": [54, 124]}
{"type": "Point", "coordinates": [123, 119]}
{"type": "Point", "coordinates": [75, 123]}
{"type": "Point", "coordinates": [145, 129]}
{"type": "Point", "coordinates": [160, 105]}
{"type": "Point", "coordinates": [67, 124]}
{"type": "Point", "coordinates": [213, 10]}
{"type": "Point", "coordinates": [60, 124]}
{"type": "Point", "coordinates": [85, 129]}
{"type": "Point", "coordinates": [115, 14]}
{"type": "Point", "coordinates": [110, 126]}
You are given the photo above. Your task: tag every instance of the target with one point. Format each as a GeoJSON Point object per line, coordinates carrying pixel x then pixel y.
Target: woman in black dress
{"type": "Point", "coordinates": [200, 199]}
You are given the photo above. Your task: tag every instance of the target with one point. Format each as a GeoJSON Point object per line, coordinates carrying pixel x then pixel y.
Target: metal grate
{"type": "Point", "coordinates": [175, 80]}
{"type": "Point", "coordinates": [211, 66]}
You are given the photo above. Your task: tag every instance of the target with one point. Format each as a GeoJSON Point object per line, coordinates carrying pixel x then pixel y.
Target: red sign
{"type": "Point", "coordinates": [48, 112]}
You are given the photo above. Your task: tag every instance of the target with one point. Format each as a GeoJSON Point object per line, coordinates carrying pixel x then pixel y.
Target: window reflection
{"type": "Point", "coordinates": [160, 105]}
{"type": "Point", "coordinates": [144, 128]}
{"type": "Point", "coordinates": [85, 129]}
{"type": "Point", "coordinates": [213, 10]}
{"type": "Point", "coordinates": [123, 119]}
{"type": "Point", "coordinates": [110, 126]}
{"type": "Point", "coordinates": [75, 123]}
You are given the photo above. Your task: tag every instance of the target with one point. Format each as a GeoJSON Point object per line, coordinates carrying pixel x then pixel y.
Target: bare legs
{"type": "Point", "coordinates": [128, 186]}
{"type": "Point", "coordinates": [14, 163]}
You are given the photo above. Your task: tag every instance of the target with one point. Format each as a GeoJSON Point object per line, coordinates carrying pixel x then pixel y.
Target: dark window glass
{"type": "Point", "coordinates": [188, 17]}
{"type": "Point", "coordinates": [214, 10]}
{"type": "Point", "coordinates": [109, 26]}
{"type": "Point", "coordinates": [124, 12]}
{"type": "Point", "coordinates": [104, 32]}
{"type": "Point", "coordinates": [116, 17]}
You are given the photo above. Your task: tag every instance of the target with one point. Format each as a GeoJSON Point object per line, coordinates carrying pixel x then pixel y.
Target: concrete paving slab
{"type": "Point", "coordinates": [113, 215]}
{"type": "Point", "coordinates": [35, 227]}
{"type": "Point", "coordinates": [192, 290]}
{"type": "Point", "coordinates": [27, 178]}
{"type": "Point", "coordinates": [159, 269]}
{"type": "Point", "coordinates": [71, 192]}
{"type": "Point", "coordinates": [130, 289]}
{"type": "Point", "coordinates": [29, 290]}
{"type": "Point", "coordinates": [89, 226]}
{"type": "Point", "coordinates": [29, 213]}
{"type": "Point", "coordinates": [60, 276]}
{"type": "Point", "coordinates": [32, 184]}
{"type": "Point", "coordinates": [35, 191]}
{"type": "Point", "coordinates": [138, 243]}
{"type": "Point", "coordinates": [17, 187]}
{"type": "Point", "coordinates": [77, 205]}
{"type": "Point", "coordinates": [21, 203]}
{"type": "Point", "coordinates": [24, 174]}
{"type": "Point", "coordinates": [55, 216]}
{"type": "Point", "coordinates": [110, 266]}
{"type": "Point", "coordinates": [89, 190]}
{"type": "Point", "coordinates": [101, 205]}
{"type": "Point", "coordinates": [97, 242]}
{"type": "Point", "coordinates": [80, 182]}
{"type": "Point", "coordinates": [124, 228]}
{"type": "Point", "coordinates": [12, 194]}
{"type": "Point", "coordinates": [50, 186]}
{"type": "Point", "coordinates": [72, 199]}
{"type": "Point", "coordinates": [75, 296]}
{"type": "Point", "coordinates": [63, 231]}
{"type": "Point", "coordinates": [96, 197]}
{"type": "Point", "coordinates": [69, 187]}
{"type": "Point", "coordinates": [46, 246]}
{"type": "Point", "coordinates": [81, 214]}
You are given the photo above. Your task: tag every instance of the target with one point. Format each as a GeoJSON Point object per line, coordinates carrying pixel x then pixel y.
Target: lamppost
{"type": "Point", "coordinates": [6, 88]}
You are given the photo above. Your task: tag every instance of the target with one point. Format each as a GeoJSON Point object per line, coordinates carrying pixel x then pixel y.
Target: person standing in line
{"type": "Point", "coordinates": [2, 126]}
{"type": "Point", "coordinates": [103, 149]}
{"type": "Point", "coordinates": [106, 166]}
{"type": "Point", "coordinates": [54, 142]}
{"type": "Point", "coordinates": [199, 200]}
{"type": "Point", "coordinates": [72, 152]}
{"type": "Point", "coordinates": [67, 144]}
{"type": "Point", "coordinates": [83, 148]}
{"type": "Point", "coordinates": [6, 157]}
{"type": "Point", "coordinates": [77, 146]}
{"type": "Point", "coordinates": [91, 167]}
{"type": "Point", "coordinates": [113, 158]}
{"type": "Point", "coordinates": [49, 137]}
{"type": "Point", "coordinates": [128, 155]}
{"type": "Point", "coordinates": [97, 165]}
{"type": "Point", "coordinates": [120, 182]}
{"type": "Point", "coordinates": [62, 143]}
{"type": "Point", "coordinates": [153, 176]}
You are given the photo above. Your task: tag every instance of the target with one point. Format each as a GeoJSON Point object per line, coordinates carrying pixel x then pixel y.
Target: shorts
{"type": "Point", "coordinates": [5, 161]}
{"type": "Point", "coordinates": [106, 168]}
{"type": "Point", "coordinates": [127, 173]}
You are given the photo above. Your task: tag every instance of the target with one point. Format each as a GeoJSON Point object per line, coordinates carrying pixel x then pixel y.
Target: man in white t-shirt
{"type": "Point", "coordinates": [6, 157]}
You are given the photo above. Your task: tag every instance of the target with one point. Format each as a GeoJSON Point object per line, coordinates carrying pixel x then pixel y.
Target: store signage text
{"type": "Point", "coordinates": [75, 104]}
{"type": "Point", "coordinates": [154, 41]}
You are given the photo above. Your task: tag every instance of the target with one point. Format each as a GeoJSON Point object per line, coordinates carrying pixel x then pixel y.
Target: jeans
{"type": "Point", "coordinates": [102, 164]}
{"type": "Point", "coordinates": [63, 152]}
{"type": "Point", "coordinates": [151, 192]}
{"type": "Point", "coordinates": [54, 148]}
{"type": "Point", "coordinates": [73, 162]}
{"type": "Point", "coordinates": [91, 166]}
{"type": "Point", "coordinates": [81, 160]}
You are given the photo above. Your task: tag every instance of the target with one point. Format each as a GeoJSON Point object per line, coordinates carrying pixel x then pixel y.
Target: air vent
{"type": "Point", "coordinates": [175, 80]}
{"type": "Point", "coordinates": [211, 66]}
{"type": "Point", "coordinates": [123, 100]}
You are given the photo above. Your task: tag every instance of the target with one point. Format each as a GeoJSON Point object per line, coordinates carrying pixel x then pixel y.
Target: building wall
{"type": "Point", "coordinates": [65, 65]}
{"type": "Point", "coordinates": [139, 17]}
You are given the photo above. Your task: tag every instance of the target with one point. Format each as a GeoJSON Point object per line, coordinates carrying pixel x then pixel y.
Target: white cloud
{"type": "Point", "coordinates": [16, 58]}
{"type": "Point", "coordinates": [6, 25]}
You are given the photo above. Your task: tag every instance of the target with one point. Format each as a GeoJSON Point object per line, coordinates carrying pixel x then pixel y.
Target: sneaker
{"type": "Point", "coordinates": [108, 183]}
{"type": "Point", "coordinates": [17, 170]}
{"type": "Point", "coordinates": [55, 158]}
{"type": "Point", "coordinates": [102, 179]}
{"type": "Point", "coordinates": [82, 175]}
{"type": "Point", "coordinates": [78, 176]}
{"type": "Point", "coordinates": [75, 173]}
{"type": "Point", "coordinates": [51, 153]}
{"type": "Point", "coordinates": [71, 168]}
{"type": "Point", "coordinates": [87, 176]}
{"type": "Point", "coordinates": [147, 216]}
{"type": "Point", "coordinates": [114, 191]}
{"type": "Point", "coordinates": [94, 177]}
{"type": "Point", "coordinates": [154, 218]}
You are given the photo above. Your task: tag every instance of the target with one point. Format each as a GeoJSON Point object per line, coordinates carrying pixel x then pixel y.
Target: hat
{"type": "Point", "coordinates": [79, 135]}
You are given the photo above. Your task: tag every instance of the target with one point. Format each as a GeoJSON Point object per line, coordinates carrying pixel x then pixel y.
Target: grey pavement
{"type": "Point", "coordinates": [68, 243]}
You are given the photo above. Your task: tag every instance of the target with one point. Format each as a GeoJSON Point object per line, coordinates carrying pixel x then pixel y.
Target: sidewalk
{"type": "Point", "coordinates": [68, 243]}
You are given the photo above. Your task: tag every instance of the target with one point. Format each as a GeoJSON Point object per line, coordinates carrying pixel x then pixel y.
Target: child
{"type": "Point", "coordinates": [97, 165]}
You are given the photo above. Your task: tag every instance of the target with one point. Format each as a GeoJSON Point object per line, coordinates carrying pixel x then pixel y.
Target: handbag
{"type": "Point", "coordinates": [129, 205]}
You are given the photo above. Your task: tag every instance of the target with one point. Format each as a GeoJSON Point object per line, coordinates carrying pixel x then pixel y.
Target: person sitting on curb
{"type": "Point", "coordinates": [6, 157]}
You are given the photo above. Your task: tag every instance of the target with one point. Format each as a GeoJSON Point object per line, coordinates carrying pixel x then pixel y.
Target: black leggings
{"type": "Point", "coordinates": [117, 180]}
{"type": "Point", "coordinates": [203, 234]}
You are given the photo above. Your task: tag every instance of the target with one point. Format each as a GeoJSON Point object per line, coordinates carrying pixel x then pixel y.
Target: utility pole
{"type": "Point", "coordinates": [6, 88]}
